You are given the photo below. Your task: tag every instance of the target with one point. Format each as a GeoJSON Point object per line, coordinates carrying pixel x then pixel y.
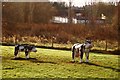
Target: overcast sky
{"type": "Point", "coordinates": [82, 2]}
{"type": "Point", "coordinates": [74, 2]}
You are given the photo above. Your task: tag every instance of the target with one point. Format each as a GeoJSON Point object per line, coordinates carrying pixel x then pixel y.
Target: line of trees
{"type": "Point", "coordinates": [28, 12]}
{"type": "Point", "coordinates": [43, 12]}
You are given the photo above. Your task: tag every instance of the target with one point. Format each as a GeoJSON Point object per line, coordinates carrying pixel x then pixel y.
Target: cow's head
{"type": "Point", "coordinates": [88, 44]}
{"type": "Point", "coordinates": [32, 49]}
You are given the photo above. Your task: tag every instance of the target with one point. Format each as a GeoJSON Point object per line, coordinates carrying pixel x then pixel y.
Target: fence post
{"type": "Point", "coordinates": [52, 40]}
{"type": "Point", "coordinates": [106, 45]}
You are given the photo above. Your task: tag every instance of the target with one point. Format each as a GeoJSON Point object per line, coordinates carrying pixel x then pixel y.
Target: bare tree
{"type": "Point", "coordinates": [119, 25]}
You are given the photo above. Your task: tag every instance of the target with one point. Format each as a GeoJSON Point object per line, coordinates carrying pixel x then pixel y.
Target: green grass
{"type": "Point", "coordinates": [48, 63]}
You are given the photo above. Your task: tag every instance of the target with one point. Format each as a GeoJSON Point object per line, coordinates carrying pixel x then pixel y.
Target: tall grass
{"type": "Point", "coordinates": [61, 34]}
{"type": "Point", "coordinates": [41, 41]}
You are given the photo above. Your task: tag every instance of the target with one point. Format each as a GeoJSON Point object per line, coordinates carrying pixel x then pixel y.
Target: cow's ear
{"type": "Point", "coordinates": [16, 45]}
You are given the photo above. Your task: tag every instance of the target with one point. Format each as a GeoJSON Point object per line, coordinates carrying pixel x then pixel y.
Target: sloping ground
{"type": "Point", "coordinates": [49, 63]}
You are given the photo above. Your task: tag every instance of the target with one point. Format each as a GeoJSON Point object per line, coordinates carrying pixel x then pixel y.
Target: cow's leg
{"type": "Point", "coordinates": [87, 55]}
{"type": "Point", "coordinates": [15, 53]}
{"type": "Point", "coordinates": [81, 55]}
{"type": "Point", "coordinates": [73, 54]}
{"type": "Point", "coordinates": [26, 54]}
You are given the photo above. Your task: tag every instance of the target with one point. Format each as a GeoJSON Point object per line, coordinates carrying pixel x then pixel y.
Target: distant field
{"type": "Point", "coordinates": [48, 63]}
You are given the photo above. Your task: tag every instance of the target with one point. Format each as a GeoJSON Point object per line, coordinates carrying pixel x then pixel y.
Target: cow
{"type": "Point", "coordinates": [24, 48]}
{"type": "Point", "coordinates": [79, 49]}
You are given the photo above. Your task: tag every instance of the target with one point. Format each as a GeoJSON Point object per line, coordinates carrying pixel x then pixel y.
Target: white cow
{"type": "Point", "coordinates": [80, 49]}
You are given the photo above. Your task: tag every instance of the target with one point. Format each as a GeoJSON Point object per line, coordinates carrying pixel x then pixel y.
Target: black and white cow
{"type": "Point", "coordinates": [80, 49]}
{"type": "Point", "coordinates": [25, 48]}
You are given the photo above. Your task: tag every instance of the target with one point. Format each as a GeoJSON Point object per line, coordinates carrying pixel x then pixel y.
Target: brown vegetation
{"type": "Point", "coordinates": [56, 33]}
{"type": "Point", "coordinates": [25, 23]}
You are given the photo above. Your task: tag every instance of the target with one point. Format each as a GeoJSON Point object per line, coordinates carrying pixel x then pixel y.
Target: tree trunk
{"type": "Point", "coordinates": [119, 26]}
{"type": "Point", "coordinates": [69, 13]}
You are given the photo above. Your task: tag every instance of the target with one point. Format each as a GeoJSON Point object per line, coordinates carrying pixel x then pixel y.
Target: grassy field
{"type": "Point", "coordinates": [48, 63]}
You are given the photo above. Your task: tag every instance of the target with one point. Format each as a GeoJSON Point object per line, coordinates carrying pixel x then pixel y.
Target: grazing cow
{"type": "Point", "coordinates": [79, 49]}
{"type": "Point", "coordinates": [24, 47]}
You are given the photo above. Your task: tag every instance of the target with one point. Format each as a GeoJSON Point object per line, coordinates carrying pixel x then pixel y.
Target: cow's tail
{"type": "Point", "coordinates": [73, 48]}
{"type": "Point", "coordinates": [73, 52]}
{"type": "Point", "coordinates": [16, 50]}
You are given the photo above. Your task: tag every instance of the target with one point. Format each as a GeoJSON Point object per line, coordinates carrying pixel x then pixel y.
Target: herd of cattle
{"type": "Point", "coordinates": [77, 50]}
